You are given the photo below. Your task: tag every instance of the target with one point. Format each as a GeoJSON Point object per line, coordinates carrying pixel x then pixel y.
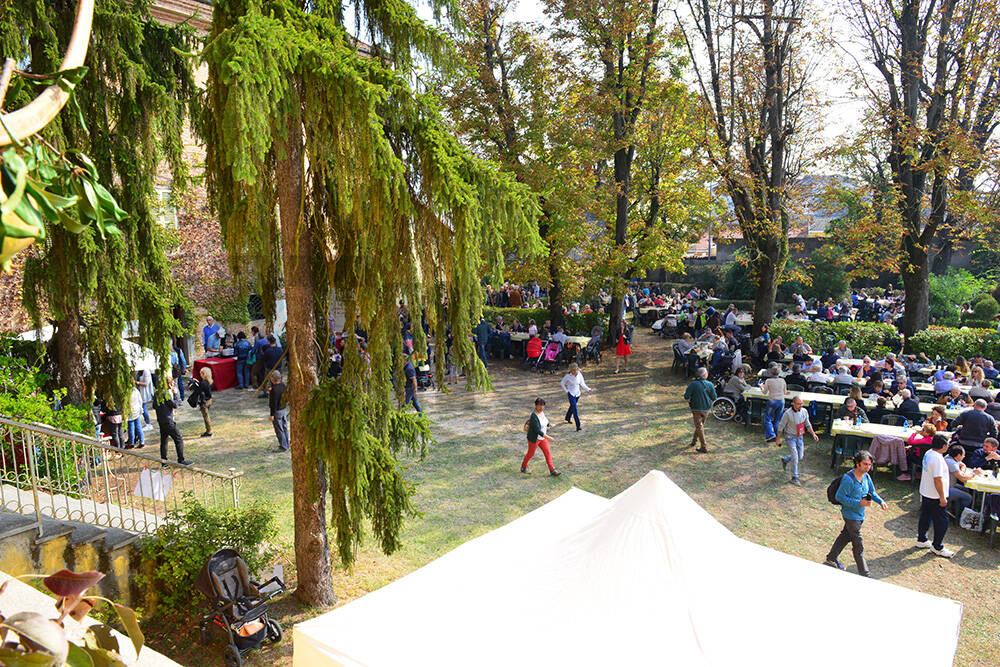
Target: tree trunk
{"type": "Point", "coordinates": [623, 174]}
{"type": "Point", "coordinates": [916, 284]}
{"type": "Point", "coordinates": [66, 336]}
{"type": "Point", "coordinates": [942, 260]}
{"type": "Point", "coordinates": [767, 291]}
{"type": "Point", "coordinates": [615, 317]}
{"type": "Point", "coordinates": [555, 298]}
{"type": "Point", "coordinates": [309, 484]}
{"type": "Point", "coordinates": [69, 357]}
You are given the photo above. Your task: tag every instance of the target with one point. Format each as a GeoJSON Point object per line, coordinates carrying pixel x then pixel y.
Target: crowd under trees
{"type": "Point", "coordinates": [584, 151]}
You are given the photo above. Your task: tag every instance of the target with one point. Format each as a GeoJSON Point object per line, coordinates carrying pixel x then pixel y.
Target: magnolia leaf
{"type": "Point", "coordinates": [131, 622]}
{"type": "Point", "coordinates": [66, 583]}
{"type": "Point", "coordinates": [78, 657]}
{"type": "Point", "coordinates": [108, 203]}
{"type": "Point", "coordinates": [20, 179]}
{"type": "Point", "coordinates": [103, 658]}
{"type": "Point", "coordinates": [80, 609]}
{"type": "Point", "coordinates": [81, 159]}
{"type": "Point", "coordinates": [39, 633]}
{"type": "Point", "coordinates": [10, 657]}
{"type": "Point", "coordinates": [103, 638]}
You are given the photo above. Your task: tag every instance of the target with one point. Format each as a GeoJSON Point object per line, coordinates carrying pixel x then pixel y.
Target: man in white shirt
{"type": "Point", "coordinates": [843, 351]}
{"type": "Point", "coordinates": [731, 316]}
{"type": "Point", "coordinates": [934, 498]}
{"type": "Point", "coordinates": [559, 336]}
{"type": "Point", "coordinates": [572, 383]}
{"type": "Point", "coordinates": [819, 376]}
{"type": "Point", "coordinates": [844, 376]}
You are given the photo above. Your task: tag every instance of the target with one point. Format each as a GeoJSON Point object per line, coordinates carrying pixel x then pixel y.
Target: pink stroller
{"type": "Point", "coordinates": [550, 357]}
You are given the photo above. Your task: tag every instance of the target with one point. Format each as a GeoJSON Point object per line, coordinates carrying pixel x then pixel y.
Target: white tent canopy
{"type": "Point", "coordinates": [141, 358]}
{"type": "Point", "coordinates": [648, 577]}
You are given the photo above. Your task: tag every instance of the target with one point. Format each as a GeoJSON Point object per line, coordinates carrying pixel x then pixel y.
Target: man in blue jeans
{"type": "Point", "coordinates": [934, 483]}
{"type": "Point", "coordinates": [410, 390]}
{"type": "Point", "coordinates": [775, 388]}
{"type": "Point", "coordinates": [242, 349]}
{"type": "Point", "coordinates": [792, 427]}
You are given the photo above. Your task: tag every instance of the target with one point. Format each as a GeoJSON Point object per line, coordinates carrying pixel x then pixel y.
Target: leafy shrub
{"type": "Point", "coordinates": [947, 293]}
{"type": "Point", "coordinates": [22, 390]}
{"type": "Point", "coordinates": [706, 277]}
{"type": "Point", "coordinates": [948, 342]}
{"type": "Point", "coordinates": [984, 313]}
{"type": "Point", "coordinates": [580, 324]}
{"type": "Point", "coordinates": [736, 283]}
{"type": "Point", "coordinates": [192, 533]}
{"type": "Point", "coordinates": [230, 310]}
{"type": "Point", "coordinates": [511, 315]}
{"type": "Point", "coordinates": [23, 397]}
{"type": "Point", "coordinates": [863, 338]}
{"type": "Point", "coordinates": [583, 323]}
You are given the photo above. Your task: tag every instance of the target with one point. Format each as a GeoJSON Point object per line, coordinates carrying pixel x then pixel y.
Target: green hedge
{"type": "Point", "coordinates": [576, 325]}
{"type": "Point", "coordinates": [948, 342]}
{"type": "Point", "coordinates": [862, 337]}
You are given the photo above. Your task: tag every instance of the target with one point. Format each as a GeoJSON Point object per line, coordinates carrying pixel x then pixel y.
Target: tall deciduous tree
{"type": "Point", "coordinates": [515, 102]}
{"type": "Point", "coordinates": [621, 52]}
{"type": "Point", "coordinates": [133, 101]}
{"type": "Point", "coordinates": [933, 90]}
{"type": "Point", "coordinates": [375, 200]}
{"type": "Point", "coordinates": [754, 79]}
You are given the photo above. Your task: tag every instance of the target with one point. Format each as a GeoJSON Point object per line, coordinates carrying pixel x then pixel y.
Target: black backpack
{"type": "Point", "coordinates": [831, 491]}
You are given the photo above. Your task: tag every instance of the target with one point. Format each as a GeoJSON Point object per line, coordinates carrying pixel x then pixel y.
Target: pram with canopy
{"type": "Point", "coordinates": [239, 605]}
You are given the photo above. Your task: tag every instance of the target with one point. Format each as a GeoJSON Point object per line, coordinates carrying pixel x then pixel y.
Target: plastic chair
{"type": "Point", "coordinates": [679, 361]}
{"type": "Point", "coordinates": [795, 387]}
{"type": "Point", "coordinates": [842, 390]}
{"type": "Point", "coordinates": [892, 420]}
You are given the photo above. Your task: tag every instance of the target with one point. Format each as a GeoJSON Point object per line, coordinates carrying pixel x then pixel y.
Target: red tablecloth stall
{"type": "Point", "coordinates": [223, 371]}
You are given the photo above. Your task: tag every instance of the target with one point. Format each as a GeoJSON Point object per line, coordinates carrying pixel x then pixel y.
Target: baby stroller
{"type": "Point", "coordinates": [424, 376]}
{"type": "Point", "coordinates": [534, 352]}
{"type": "Point", "coordinates": [593, 349]}
{"type": "Point", "coordinates": [550, 357]}
{"type": "Point", "coordinates": [239, 607]}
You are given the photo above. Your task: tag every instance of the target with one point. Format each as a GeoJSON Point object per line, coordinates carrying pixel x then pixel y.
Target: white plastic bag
{"type": "Point", "coordinates": [971, 520]}
{"type": "Point", "coordinates": [153, 484]}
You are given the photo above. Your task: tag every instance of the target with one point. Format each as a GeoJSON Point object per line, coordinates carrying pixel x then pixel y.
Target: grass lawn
{"type": "Point", "coordinates": [633, 422]}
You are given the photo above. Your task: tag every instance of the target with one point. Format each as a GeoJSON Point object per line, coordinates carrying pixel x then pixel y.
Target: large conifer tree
{"type": "Point", "coordinates": [375, 200]}
{"type": "Point", "coordinates": [133, 102]}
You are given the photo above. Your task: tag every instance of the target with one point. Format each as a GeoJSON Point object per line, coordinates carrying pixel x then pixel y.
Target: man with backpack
{"type": "Point", "coordinates": [853, 492]}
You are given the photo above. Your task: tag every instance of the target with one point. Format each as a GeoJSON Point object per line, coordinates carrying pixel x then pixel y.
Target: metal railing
{"type": "Point", "coordinates": [50, 473]}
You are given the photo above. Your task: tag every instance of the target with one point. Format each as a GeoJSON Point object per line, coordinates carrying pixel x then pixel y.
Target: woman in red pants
{"type": "Point", "coordinates": [538, 424]}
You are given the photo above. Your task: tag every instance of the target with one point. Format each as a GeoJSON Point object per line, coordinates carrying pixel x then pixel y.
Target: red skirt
{"type": "Point", "coordinates": [623, 349]}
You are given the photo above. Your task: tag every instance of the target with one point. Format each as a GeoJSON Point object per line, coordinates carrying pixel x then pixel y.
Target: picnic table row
{"type": "Point", "coordinates": [924, 389]}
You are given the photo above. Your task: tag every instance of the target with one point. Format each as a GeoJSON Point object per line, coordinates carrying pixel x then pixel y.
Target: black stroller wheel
{"type": "Point", "coordinates": [205, 639]}
{"type": "Point", "coordinates": [274, 632]}
{"type": "Point", "coordinates": [231, 656]}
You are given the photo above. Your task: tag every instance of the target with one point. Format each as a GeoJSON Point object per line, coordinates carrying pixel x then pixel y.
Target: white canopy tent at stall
{"type": "Point", "coordinates": [648, 577]}
{"type": "Point", "coordinates": [140, 358]}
